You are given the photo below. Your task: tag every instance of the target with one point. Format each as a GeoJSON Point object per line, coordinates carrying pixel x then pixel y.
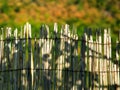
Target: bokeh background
{"type": "Point", "coordinates": [81, 13]}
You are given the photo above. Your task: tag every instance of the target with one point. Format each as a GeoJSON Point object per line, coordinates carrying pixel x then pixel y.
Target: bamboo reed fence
{"type": "Point", "coordinates": [61, 61]}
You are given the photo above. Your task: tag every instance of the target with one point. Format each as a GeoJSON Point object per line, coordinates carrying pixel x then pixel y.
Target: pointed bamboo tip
{"type": "Point", "coordinates": [47, 29]}
{"type": "Point", "coordinates": [27, 23]}
{"type": "Point", "coordinates": [105, 30]}
{"type": "Point", "coordinates": [66, 29]}
{"type": "Point", "coordinates": [55, 27]}
{"type": "Point", "coordinates": [15, 32]}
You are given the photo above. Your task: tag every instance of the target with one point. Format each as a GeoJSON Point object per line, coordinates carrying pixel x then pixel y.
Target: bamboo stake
{"type": "Point", "coordinates": [110, 64]}
{"type": "Point", "coordinates": [25, 60]}
{"type": "Point", "coordinates": [75, 60]}
{"type": "Point", "coordinates": [20, 46]}
{"type": "Point", "coordinates": [54, 55]}
{"type": "Point", "coordinates": [90, 59]}
{"type": "Point", "coordinates": [83, 61]}
{"type": "Point", "coordinates": [86, 60]}
{"type": "Point", "coordinates": [96, 60]}
{"type": "Point", "coordinates": [100, 60]}
{"type": "Point", "coordinates": [8, 57]}
{"type": "Point", "coordinates": [105, 62]}
{"type": "Point", "coordinates": [1, 59]}
{"type": "Point", "coordinates": [15, 53]}
{"type": "Point", "coordinates": [117, 68]}
{"type": "Point", "coordinates": [41, 56]}
{"type": "Point", "coordinates": [30, 57]}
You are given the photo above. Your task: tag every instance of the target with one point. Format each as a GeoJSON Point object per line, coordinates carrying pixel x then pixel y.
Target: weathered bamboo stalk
{"type": "Point", "coordinates": [100, 61]}
{"type": "Point", "coordinates": [90, 60]}
{"type": "Point", "coordinates": [8, 56]}
{"type": "Point", "coordinates": [15, 53]}
{"type": "Point", "coordinates": [86, 84]}
{"type": "Point", "coordinates": [1, 59]}
{"type": "Point", "coordinates": [105, 61]}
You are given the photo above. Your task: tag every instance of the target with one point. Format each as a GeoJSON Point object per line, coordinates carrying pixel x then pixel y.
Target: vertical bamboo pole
{"type": "Point", "coordinates": [27, 72]}
{"type": "Point", "coordinates": [67, 53]}
{"type": "Point", "coordinates": [90, 59]}
{"type": "Point", "coordinates": [119, 62]}
{"type": "Point", "coordinates": [105, 62]}
{"type": "Point", "coordinates": [1, 59]}
{"type": "Point", "coordinates": [24, 79]}
{"type": "Point", "coordinates": [1, 62]}
{"type": "Point", "coordinates": [69, 65]}
{"type": "Point", "coordinates": [105, 59]}
{"type": "Point", "coordinates": [55, 37]}
{"type": "Point", "coordinates": [110, 65]}
{"type": "Point", "coordinates": [50, 61]}
{"type": "Point", "coordinates": [83, 62]}
{"type": "Point", "coordinates": [76, 61]}
{"type": "Point", "coordinates": [86, 61]}
{"type": "Point", "coordinates": [60, 61]}
{"type": "Point", "coordinates": [4, 60]}
{"type": "Point", "coordinates": [62, 58]}
{"type": "Point", "coordinates": [117, 77]}
{"type": "Point", "coordinates": [20, 60]}
{"type": "Point", "coordinates": [25, 56]}
{"type": "Point", "coordinates": [94, 65]}
{"type": "Point", "coordinates": [46, 56]}
{"type": "Point", "coordinates": [30, 57]}
{"type": "Point", "coordinates": [49, 48]}
{"type": "Point", "coordinates": [35, 58]}
{"type": "Point", "coordinates": [42, 56]}
{"type": "Point", "coordinates": [41, 43]}
{"type": "Point", "coordinates": [72, 63]}
{"type": "Point", "coordinates": [117, 66]}
{"type": "Point", "coordinates": [100, 60]}
{"type": "Point", "coordinates": [8, 56]}
{"type": "Point", "coordinates": [15, 53]}
{"type": "Point", "coordinates": [96, 60]}
{"type": "Point", "coordinates": [37, 65]}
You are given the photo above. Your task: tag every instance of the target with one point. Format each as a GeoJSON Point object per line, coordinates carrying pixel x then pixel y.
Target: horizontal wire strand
{"type": "Point", "coordinates": [68, 70]}
{"type": "Point", "coordinates": [107, 43]}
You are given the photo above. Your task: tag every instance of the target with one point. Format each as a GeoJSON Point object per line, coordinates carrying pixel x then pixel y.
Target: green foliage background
{"type": "Point", "coordinates": [81, 13]}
